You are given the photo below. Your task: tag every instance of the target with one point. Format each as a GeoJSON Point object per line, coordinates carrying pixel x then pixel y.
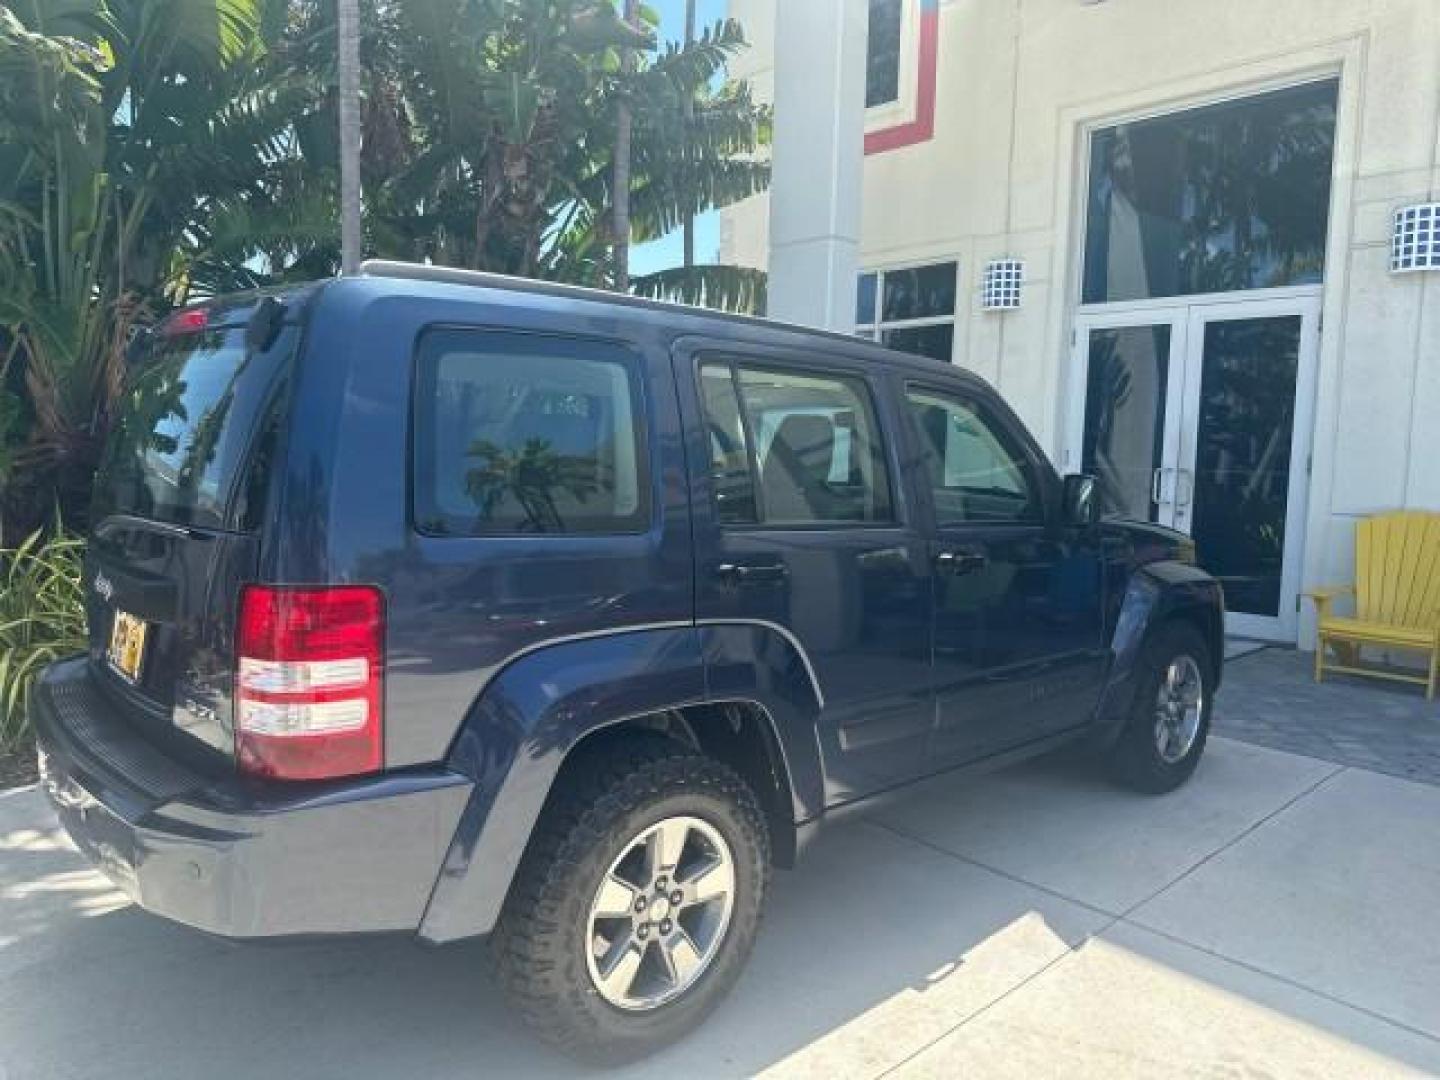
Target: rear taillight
{"type": "Point", "coordinates": [307, 685]}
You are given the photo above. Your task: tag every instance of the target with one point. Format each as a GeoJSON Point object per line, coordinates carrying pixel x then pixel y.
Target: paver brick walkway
{"type": "Point", "coordinates": [1270, 699]}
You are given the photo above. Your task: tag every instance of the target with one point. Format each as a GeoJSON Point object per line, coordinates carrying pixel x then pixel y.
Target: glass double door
{"type": "Point", "coordinates": [1198, 417]}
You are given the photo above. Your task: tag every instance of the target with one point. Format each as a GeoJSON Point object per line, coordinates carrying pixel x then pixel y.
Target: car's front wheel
{"type": "Point", "coordinates": [1169, 722]}
{"type": "Point", "coordinates": [637, 903]}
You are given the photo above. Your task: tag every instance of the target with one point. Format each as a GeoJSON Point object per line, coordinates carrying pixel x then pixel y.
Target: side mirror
{"type": "Point", "coordinates": [1080, 500]}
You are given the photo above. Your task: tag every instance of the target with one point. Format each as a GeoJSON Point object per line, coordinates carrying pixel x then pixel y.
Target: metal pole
{"type": "Point", "coordinates": [621, 178]}
{"type": "Point", "coordinates": [689, 233]}
{"type": "Point", "coordinates": [348, 19]}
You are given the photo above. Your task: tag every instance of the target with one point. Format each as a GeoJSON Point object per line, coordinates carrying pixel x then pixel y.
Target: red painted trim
{"type": "Point", "coordinates": [922, 128]}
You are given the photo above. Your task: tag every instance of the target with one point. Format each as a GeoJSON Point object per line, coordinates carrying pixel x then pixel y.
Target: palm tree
{"type": "Point", "coordinates": [154, 150]}
{"type": "Point", "coordinates": [509, 170]}
{"type": "Point", "coordinates": [348, 19]}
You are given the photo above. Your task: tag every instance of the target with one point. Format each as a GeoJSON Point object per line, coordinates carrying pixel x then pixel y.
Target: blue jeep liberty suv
{"type": "Point", "coordinates": [436, 602]}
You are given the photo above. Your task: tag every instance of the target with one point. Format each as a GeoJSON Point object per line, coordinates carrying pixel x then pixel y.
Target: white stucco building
{"type": "Point", "coordinates": [1203, 197]}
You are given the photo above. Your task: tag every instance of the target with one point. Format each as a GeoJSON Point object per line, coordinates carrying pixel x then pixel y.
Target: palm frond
{"type": "Point", "coordinates": [722, 287]}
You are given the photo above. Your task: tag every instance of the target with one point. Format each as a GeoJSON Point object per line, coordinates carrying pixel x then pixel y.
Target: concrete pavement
{"type": "Point", "coordinates": [1280, 917]}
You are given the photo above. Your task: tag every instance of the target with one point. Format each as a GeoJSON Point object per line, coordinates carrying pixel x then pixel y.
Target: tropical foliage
{"type": "Point", "coordinates": [152, 151]}
{"type": "Point", "coordinates": [42, 618]}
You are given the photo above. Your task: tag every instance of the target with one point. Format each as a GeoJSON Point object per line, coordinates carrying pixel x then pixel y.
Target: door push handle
{"type": "Point", "coordinates": [1157, 487]}
{"type": "Point", "coordinates": [1189, 488]}
{"type": "Point", "coordinates": [960, 563]}
{"type": "Point", "coordinates": [743, 574]}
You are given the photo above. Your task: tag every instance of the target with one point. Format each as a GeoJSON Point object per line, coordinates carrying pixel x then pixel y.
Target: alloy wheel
{"type": "Point", "coordinates": [1179, 707]}
{"type": "Point", "coordinates": [660, 914]}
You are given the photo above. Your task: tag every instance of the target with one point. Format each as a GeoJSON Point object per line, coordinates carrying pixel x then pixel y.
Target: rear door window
{"type": "Point", "coordinates": [522, 434]}
{"type": "Point", "coordinates": [189, 422]}
{"type": "Point", "coordinates": [812, 453]}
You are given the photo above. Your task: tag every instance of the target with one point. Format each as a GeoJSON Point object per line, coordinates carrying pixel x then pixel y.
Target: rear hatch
{"type": "Point", "coordinates": [179, 501]}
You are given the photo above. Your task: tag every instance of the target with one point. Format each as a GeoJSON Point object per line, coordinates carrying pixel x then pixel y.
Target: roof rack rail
{"type": "Point", "coordinates": [387, 268]}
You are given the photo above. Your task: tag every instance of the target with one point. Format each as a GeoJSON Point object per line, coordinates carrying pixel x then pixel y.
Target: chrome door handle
{"type": "Point", "coordinates": [742, 574]}
{"type": "Point", "coordinates": [961, 563]}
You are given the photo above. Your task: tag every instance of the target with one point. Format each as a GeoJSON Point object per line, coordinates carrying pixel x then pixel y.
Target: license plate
{"type": "Point", "coordinates": [127, 645]}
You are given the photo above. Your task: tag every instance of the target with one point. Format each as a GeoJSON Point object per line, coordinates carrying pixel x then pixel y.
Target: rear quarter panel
{"type": "Point", "coordinates": [459, 608]}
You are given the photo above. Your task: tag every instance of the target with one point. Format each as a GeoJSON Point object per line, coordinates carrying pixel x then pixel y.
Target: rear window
{"type": "Point", "coordinates": [527, 434]}
{"type": "Point", "coordinates": [190, 432]}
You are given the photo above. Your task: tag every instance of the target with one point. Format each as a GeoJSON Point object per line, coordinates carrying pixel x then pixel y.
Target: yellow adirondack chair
{"type": "Point", "coordinates": [1397, 598]}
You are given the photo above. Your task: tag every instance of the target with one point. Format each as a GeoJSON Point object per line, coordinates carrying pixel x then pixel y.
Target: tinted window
{"type": "Point", "coordinates": [517, 434]}
{"type": "Point", "coordinates": [1235, 196]}
{"type": "Point", "coordinates": [188, 424]}
{"type": "Point", "coordinates": [937, 342]}
{"type": "Point", "coordinates": [882, 63]}
{"type": "Point", "coordinates": [812, 440]}
{"type": "Point", "coordinates": [920, 292]}
{"type": "Point", "coordinates": [865, 299]}
{"type": "Point", "coordinates": [910, 309]}
{"type": "Point", "coordinates": [1125, 406]}
{"type": "Point", "coordinates": [977, 474]}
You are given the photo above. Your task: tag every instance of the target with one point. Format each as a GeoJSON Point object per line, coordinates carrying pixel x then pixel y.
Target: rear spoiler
{"type": "Point", "coordinates": [261, 327]}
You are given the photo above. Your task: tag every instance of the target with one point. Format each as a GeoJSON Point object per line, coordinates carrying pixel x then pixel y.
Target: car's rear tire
{"type": "Point", "coordinates": [1169, 723]}
{"type": "Point", "coordinates": [602, 957]}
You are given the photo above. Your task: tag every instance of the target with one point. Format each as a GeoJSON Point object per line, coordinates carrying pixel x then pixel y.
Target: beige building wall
{"type": "Point", "coordinates": [1020, 84]}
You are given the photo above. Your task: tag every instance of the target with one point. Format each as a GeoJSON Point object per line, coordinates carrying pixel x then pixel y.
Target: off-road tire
{"type": "Point", "coordinates": [1135, 760]}
{"type": "Point", "coordinates": [607, 798]}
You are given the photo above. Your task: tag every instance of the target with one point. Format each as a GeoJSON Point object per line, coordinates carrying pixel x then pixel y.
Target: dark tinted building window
{"type": "Point", "coordinates": [1234, 196]}
{"type": "Point", "coordinates": [882, 67]}
{"type": "Point", "coordinates": [910, 308]}
{"type": "Point", "coordinates": [865, 299]}
{"type": "Point", "coordinates": [919, 292]}
{"type": "Point", "coordinates": [520, 434]}
{"type": "Point", "coordinates": [937, 342]}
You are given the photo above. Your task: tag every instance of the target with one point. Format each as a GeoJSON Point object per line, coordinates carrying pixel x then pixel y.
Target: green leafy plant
{"type": "Point", "coordinates": [42, 618]}
{"type": "Point", "coordinates": [155, 151]}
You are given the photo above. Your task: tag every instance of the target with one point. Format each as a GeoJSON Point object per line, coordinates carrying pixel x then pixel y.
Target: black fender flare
{"type": "Point", "coordinates": [1156, 594]}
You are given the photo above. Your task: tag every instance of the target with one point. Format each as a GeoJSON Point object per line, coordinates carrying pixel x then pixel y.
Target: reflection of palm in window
{"type": "Point", "coordinates": [517, 438]}
{"type": "Point", "coordinates": [533, 476]}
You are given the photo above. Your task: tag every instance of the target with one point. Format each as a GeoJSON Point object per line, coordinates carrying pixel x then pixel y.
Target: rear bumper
{"type": "Point", "coordinates": [232, 857]}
